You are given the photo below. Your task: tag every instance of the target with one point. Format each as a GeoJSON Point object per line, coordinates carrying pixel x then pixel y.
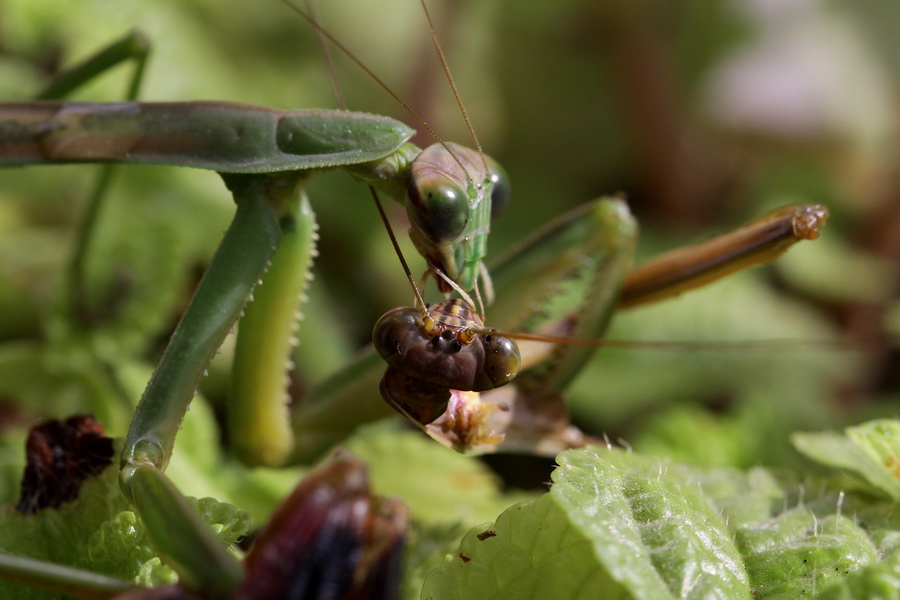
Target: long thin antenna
{"type": "Point", "coordinates": [325, 52]}
{"type": "Point", "coordinates": [323, 37]}
{"type": "Point", "coordinates": [451, 81]}
{"type": "Point", "coordinates": [390, 231]}
{"type": "Point", "coordinates": [696, 346]}
{"type": "Point", "coordinates": [346, 51]}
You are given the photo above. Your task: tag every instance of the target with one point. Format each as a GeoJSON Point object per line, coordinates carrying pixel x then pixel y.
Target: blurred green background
{"type": "Point", "coordinates": [704, 114]}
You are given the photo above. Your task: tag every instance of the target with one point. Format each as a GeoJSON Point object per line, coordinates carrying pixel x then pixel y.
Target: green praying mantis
{"type": "Point", "coordinates": [266, 157]}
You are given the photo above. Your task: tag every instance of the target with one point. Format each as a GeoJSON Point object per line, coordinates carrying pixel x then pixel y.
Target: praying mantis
{"type": "Point", "coordinates": [155, 447]}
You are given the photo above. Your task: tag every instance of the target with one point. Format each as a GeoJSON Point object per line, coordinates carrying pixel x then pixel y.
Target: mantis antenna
{"type": "Point", "coordinates": [346, 52]}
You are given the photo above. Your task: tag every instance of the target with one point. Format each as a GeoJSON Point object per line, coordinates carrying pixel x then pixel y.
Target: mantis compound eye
{"type": "Point", "coordinates": [501, 191]}
{"type": "Point", "coordinates": [501, 360]}
{"type": "Point", "coordinates": [394, 327]}
{"type": "Point", "coordinates": [438, 208]}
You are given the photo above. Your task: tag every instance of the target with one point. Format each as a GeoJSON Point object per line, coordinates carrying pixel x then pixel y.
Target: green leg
{"type": "Point", "coordinates": [182, 539]}
{"type": "Point", "coordinates": [61, 579]}
{"type": "Point", "coordinates": [573, 268]}
{"type": "Point", "coordinates": [237, 266]}
{"type": "Point", "coordinates": [133, 46]}
{"type": "Point", "coordinates": [258, 417]}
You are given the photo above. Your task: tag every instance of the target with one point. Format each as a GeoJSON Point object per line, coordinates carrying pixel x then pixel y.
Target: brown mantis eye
{"type": "Point", "coordinates": [501, 360]}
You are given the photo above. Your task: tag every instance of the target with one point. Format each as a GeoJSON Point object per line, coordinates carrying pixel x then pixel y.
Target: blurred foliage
{"type": "Point", "coordinates": [703, 114]}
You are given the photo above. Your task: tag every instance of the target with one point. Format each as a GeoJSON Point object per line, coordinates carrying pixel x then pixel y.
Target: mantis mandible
{"type": "Point", "coordinates": [266, 218]}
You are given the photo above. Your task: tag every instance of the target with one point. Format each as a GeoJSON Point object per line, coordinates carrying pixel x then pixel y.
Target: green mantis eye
{"type": "Point", "coordinates": [501, 191]}
{"type": "Point", "coordinates": [439, 208]}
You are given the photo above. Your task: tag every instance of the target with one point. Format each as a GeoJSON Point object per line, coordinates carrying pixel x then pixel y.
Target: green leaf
{"type": "Point", "coordinates": [874, 582]}
{"type": "Point", "coordinates": [59, 535]}
{"type": "Point", "coordinates": [121, 547]}
{"type": "Point", "coordinates": [100, 532]}
{"type": "Point", "coordinates": [797, 553]}
{"type": "Point", "coordinates": [532, 551]}
{"type": "Point", "coordinates": [657, 515]}
{"type": "Point", "coordinates": [742, 497]}
{"type": "Point", "coordinates": [615, 524]}
{"type": "Point", "coordinates": [426, 546]}
{"type": "Point", "coordinates": [870, 451]}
